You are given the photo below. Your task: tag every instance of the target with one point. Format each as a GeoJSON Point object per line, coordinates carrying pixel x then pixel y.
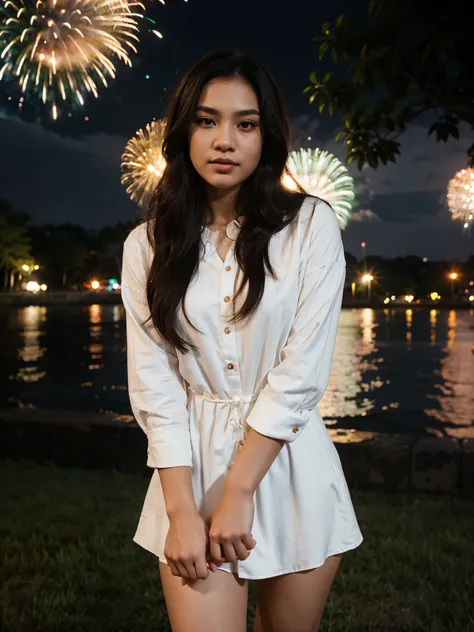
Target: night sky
{"type": "Point", "coordinates": [69, 170]}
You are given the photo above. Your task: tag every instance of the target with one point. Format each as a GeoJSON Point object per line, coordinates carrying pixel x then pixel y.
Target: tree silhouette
{"type": "Point", "coordinates": [15, 246]}
{"type": "Point", "coordinates": [407, 60]}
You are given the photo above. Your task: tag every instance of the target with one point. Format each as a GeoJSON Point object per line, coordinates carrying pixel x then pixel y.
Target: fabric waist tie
{"type": "Point", "coordinates": [236, 403]}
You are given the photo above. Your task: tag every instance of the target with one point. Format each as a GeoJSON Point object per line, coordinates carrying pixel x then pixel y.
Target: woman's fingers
{"type": "Point", "coordinates": [201, 567]}
{"type": "Point", "coordinates": [241, 550]}
{"type": "Point", "coordinates": [182, 570]}
{"type": "Point", "coordinates": [172, 565]}
{"type": "Point", "coordinates": [249, 542]}
{"type": "Point", "coordinates": [229, 552]}
{"type": "Point", "coordinates": [215, 551]}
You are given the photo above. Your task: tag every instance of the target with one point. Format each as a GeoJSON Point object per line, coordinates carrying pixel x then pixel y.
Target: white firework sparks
{"type": "Point", "coordinates": [323, 175]}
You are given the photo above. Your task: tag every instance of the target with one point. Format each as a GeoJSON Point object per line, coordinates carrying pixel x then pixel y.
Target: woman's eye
{"type": "Point", "coordinates": [205, 121]}
{"type": "Point", "coordinates": [248, 125]}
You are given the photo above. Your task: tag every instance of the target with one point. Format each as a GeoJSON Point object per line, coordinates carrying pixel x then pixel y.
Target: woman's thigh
{"type": "Point", "coordinates": [208, 605]}
{"type": "Point", "coordinates": [295, 602]}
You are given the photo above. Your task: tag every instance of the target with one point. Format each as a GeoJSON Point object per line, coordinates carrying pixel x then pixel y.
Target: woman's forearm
{"type": "Point", "coordinates": [253, 462]}
{"type": "Point", "coordinates": [177, 490]}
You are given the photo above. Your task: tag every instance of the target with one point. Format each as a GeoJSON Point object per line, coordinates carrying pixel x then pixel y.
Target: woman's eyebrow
{"type": "Point", "coordinates": [214, 112]}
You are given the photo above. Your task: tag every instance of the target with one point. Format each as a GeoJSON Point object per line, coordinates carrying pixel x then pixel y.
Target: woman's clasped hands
{"type": "Point", "coordinates": [195, 547]}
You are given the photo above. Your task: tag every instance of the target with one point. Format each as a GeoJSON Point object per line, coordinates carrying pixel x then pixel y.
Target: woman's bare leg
{"type": "Point", "coordinates": [215, 604]}
{"type": "Point", "coordinates": [295, 602]}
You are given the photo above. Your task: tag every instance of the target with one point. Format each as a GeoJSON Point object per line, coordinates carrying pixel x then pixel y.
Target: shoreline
{"type": "Point", "coordinates": [23, 299]}
{"type": "Point", "coordinates": [370, 460]}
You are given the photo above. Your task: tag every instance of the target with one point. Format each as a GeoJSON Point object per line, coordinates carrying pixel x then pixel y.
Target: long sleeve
{"type": "Point", "coordinates": [295, 385]}
{"type": "Point", "coordinates": [156, 390]}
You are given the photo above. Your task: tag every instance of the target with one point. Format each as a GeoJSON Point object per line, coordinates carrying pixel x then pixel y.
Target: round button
{"type": "Point", "coordinates": [241, 442]}
{"type": "Point", "coordinates": [295, 430]}
{"type": "Point", "coordinates": [230, 366]}
{"type": "Point", "coordinates": [227, 330]}
{"type": "Point", "coordinates": [226, 299]}
{"type": "Point", "coordinates": [228, 268]}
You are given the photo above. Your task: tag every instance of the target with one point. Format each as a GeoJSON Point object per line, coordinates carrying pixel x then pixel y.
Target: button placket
{"type": "Point", "coordinates": [229, 341]}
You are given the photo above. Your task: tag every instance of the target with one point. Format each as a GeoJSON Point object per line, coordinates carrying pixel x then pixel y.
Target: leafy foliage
{"type": "Point", "coordinates": [407, 59]}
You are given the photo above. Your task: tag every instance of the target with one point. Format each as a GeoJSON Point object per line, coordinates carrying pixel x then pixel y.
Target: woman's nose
{"type": "Point", "coordinates": [224, 139]}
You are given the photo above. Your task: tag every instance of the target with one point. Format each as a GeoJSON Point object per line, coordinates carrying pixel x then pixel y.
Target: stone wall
{"type": "Point", "coordinates": [370, 460]}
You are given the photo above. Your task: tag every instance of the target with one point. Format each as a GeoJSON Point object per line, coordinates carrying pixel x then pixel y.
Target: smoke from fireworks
{"type": "Point", "coordinates": [143, 163]}
{"type": "Point", "coordinates": [60, 50]}
{"type": "Point", "coordinates": [323, 175]}
{"type": "Point", "coordinates": [461, 197]}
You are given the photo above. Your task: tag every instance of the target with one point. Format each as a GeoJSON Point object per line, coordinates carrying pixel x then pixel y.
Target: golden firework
{"type": "Point", "coordinates": [61, 50]}
{"type": "Point", "coordinates": [143, 163]}
{"type": "Point", "coordinates": [461, 197]}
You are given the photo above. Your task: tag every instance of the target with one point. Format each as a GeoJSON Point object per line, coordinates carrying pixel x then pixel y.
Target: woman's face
{"type": "Point", "coordinates": [226, 140]}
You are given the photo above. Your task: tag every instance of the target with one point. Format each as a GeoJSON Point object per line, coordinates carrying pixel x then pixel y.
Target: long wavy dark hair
{"type": "Point", "coordinates": [179, 206]}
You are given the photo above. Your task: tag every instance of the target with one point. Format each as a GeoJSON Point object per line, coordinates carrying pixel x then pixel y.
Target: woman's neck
{"type": "Point", "coordinates": [222, 206]}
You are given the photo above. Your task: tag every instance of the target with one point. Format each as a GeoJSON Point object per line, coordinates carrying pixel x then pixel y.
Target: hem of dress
{"type": "Point", "coordinates": [298, 569]}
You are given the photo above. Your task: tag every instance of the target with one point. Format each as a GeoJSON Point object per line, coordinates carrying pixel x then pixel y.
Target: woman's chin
{"type": "Point", "coordinates": [222, 182]}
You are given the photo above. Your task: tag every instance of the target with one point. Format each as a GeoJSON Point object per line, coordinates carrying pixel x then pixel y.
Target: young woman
{"type": "Point", "coordinates": [232, 289]}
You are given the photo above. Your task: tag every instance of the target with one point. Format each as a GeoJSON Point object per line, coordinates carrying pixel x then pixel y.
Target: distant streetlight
{"type": "Point", "coordinates": [32, 286]}
{"type": "Point", "coordinates": [25, 267]}
{"type": "Point", "coordinates": [367, 279]}
{"type": "Point", "coordinates": [95, 285]}
{"type": "Point", "coordinates": [453, 276]}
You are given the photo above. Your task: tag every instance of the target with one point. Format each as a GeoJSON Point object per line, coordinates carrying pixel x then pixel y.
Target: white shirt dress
{"type": "Point", "coordinates": [268, 373]}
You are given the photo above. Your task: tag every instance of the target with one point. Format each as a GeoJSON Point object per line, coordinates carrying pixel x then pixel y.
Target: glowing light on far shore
{"type": "Point", "coordinates": [32, 286]}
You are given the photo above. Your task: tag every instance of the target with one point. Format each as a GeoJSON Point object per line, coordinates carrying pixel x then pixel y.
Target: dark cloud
{"type": "Point", "coordinates": [364, 215]}
{"type": "Point", "coordinates": [406, 208]}
{"type": "Point", "coordinates": [421, 158]}
{"type": "Point", "coordinates": [58, 179]}
{"type": "Point", "coordinates": [436, 237]}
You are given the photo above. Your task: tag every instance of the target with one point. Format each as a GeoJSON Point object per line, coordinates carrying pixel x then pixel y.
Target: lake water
{"type": "Point", "coordinates": [399, 370]}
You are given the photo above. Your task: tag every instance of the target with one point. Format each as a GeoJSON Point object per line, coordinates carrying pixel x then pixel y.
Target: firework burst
{"type": "Point", "coordinates": [143, 163]}
{"type": "Point", "coordinates": [323, 175]}
{"type": "Point", "coordinates": [61, 50]}
{"type": "Point", "coordinates": [461, 197]}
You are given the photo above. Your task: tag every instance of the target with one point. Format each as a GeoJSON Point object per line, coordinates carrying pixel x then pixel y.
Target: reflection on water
{"type": "Point", "coordinates": [403, 370]}
{"type": "Point", "coordinates": [393, 370]}
{"type": "Point", "coordinates": [31, 319]}
{"type": "Point", "coordinates": [74, 354]}
{"type": "Point", "coordinates": [453, 397]}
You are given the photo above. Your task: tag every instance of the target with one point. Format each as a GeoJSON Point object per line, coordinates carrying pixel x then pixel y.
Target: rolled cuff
{"type": "Point", "coordinates": [271, 419]}
{"type": "Point", "coordinates": [169, 447]}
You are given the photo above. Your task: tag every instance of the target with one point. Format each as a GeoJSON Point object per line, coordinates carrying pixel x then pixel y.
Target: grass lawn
{"type": "Point", "coordinates": [68, 563]}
